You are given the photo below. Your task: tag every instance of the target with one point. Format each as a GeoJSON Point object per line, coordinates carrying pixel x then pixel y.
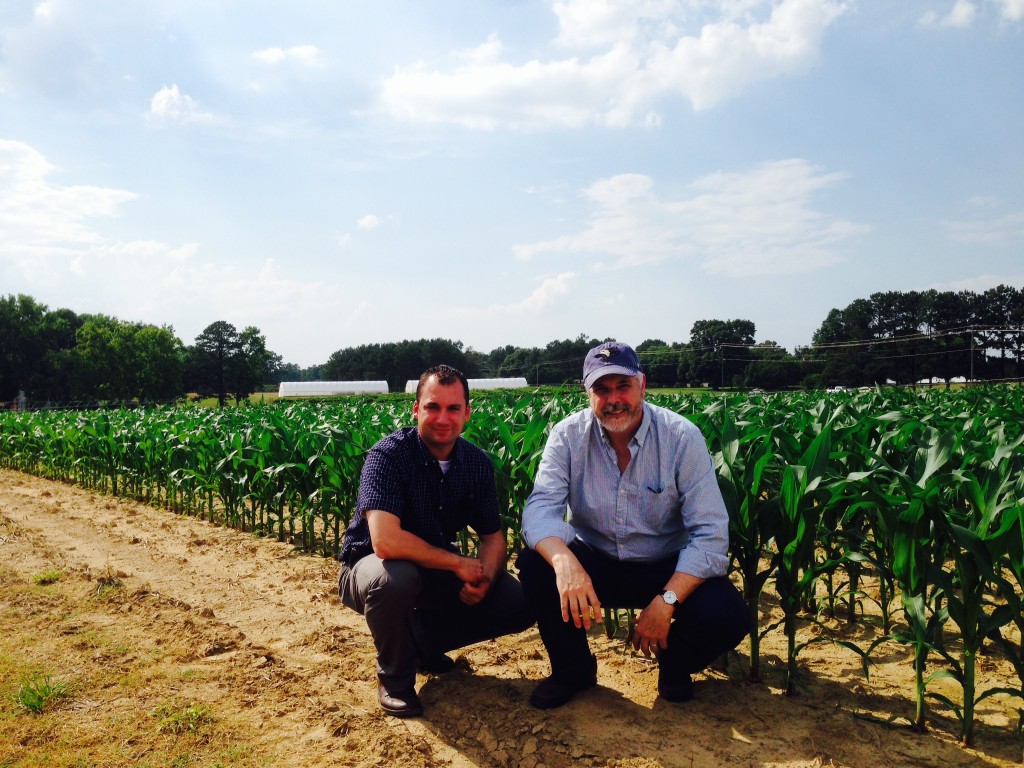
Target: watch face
{"type": "Point", "coordinates": [669, 596]}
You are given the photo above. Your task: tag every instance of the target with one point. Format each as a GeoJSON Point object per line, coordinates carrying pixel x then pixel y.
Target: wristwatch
{"type": "Point", "coordinates": [669, 596]}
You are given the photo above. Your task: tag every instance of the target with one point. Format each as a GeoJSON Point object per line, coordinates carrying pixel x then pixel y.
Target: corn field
{"type": "Point", "coordinates": [897, 510]}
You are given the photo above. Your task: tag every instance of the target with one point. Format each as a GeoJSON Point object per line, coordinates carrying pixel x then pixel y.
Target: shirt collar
{"type": "Point", "coordinates": [645, 423]}
{"type": "Point", "coordinates": [426, 457]}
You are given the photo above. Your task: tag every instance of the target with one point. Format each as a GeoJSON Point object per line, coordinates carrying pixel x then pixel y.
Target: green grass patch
{"type": "Point", "coordinates": [108, 584]}
{"type": "Point", "coordinates": [191, 718]}
{"type": "Point", "coordinates": [125, 705]}
{"type": "Point", "coordinates": [38, 691]}
{"type": "Point", "coordinates": [50, 576]}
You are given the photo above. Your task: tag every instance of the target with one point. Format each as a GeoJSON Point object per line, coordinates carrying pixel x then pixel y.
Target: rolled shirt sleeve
{"type": "Point", "coordinates": [545, 513]}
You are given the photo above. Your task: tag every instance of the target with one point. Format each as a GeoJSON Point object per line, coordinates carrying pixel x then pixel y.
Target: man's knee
{"type": "Point", "coordinates": [372, 582]}
{"type": "Point", "coordinates": [396, 579]}
{"type": "Point", "coordinates": [724, 610]}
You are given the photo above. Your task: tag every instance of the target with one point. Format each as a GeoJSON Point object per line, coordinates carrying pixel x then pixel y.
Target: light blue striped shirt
{"type": "Point", "coordinates": [666, 501]}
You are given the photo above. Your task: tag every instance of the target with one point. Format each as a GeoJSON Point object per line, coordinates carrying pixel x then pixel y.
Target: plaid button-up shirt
{"type": "Point", "coordinates": [400, 476]}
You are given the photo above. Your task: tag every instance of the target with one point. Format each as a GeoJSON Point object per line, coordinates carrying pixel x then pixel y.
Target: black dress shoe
{"type": "Point", "coordinates": [676, 688]}
{"type": "Point", "coordinates": [436, 665]}
{"type": "Point", "coordinates": [400, 703]}
{"type": "Point", "coordinates": [552, 693]}
{"type": "Point", "coordinates": [555, 691]}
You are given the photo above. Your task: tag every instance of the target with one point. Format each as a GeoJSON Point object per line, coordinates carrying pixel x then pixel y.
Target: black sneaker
{"type": "Point", "coordinates": [400, 703]}
{"type": "Point", "coordinates": [555, 691]}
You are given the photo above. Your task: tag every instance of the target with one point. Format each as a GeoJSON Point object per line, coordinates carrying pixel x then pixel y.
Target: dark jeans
{"type": "Point", "coordinates": [711, 621]}
{"type": "Point", "coordinates": [415, 612]}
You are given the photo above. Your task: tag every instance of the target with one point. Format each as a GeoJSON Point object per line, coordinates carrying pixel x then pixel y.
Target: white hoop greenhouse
{"type": "Point", "coordinates": [326, 388]}
{"type": "Point", "coordinates": [511, 383]}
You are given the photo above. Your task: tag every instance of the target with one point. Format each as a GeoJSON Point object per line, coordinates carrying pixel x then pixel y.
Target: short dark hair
{"type": "Point", "coordinates": [446, 375]}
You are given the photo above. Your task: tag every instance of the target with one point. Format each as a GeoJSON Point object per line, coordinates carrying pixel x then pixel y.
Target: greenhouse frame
{"type": "Point", "coordinates": [328, 388]}
{"type": "Point", "coordinates": [515, 382]}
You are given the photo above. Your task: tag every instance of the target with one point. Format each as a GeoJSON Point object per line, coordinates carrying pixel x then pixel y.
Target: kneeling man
{"type": "Point", "coordinates": [626, 512]}
{"type": "Point", "coordinates": [420, 488]}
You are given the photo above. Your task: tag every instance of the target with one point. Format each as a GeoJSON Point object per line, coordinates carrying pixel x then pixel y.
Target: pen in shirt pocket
{"type": "Point", "coordinates": [657, 489]}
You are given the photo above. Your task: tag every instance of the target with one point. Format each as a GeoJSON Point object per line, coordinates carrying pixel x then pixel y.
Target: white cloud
{"type": "Point", "coordinates": [735, 224]}
{"type": "Point", "coordinates": [263, 294]}
{"type": "Point", "coordinates": [601, 23]}
{"type": "Point", "coordinates": [48, 232]}
{"type": "Point", "coordinates": [306, 55]}
{"type": "Point", "coordinates": [961, 15]}
{"type": "Point", "coordinates": [487, 53]}
{"type": "Point", "coordinates": [369, 221]}
{"type": "Point", "coordinates": [38, 218]}
{"type": "Point", "coordinates": [1005, 229]}
{"type": "Point", "coordinates": [620, 59]}
{"type": "Point", "coordinates": [51, 246]}
{"type": "Point", "coordinates": [169, 103]}
{"type": "Point", "coordinates": [270, 55]}
{"type": "Point", "coordinates": [542, 297]}
{"type": "Point", "coordinates": [979, 283]}
{"type": "Point", "coordinates": [43, 11]}
{"type": "Point", "coordinates": [1011, 10]}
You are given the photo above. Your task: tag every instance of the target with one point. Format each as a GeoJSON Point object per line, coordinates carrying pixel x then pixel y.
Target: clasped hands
{"type": "Point", "coordinates": [476, 581]}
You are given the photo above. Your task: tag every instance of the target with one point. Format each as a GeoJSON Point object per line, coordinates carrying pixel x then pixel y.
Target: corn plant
{"type": "Point", "coordinates": [981, 533]}
{"type": "Point", "coordinates": [908, 522]}
{"type": "Point", "coordinates": [801, 499]}
{"type": "Point", "coordinates": [743, 466]}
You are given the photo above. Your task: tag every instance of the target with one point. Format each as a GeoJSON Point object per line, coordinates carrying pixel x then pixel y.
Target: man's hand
{"type": "Point", "coordinates": [473, 592]}
{"type": "Point", "coordinates": [470, 570]}
{"type": "Point", "coordinates": [579, 601]}
{"type": "Point", "coordinates": [575, 590]}
{"type": "Point", "coordinates": [650, 634]}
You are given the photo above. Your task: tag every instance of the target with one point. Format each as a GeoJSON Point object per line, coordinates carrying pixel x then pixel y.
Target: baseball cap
{"type": "Point", "coordinates": [607, 358]}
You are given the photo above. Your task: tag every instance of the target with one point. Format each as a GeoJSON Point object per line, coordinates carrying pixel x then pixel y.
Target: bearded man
{"type": "Point", "coordinates": [625, 512]}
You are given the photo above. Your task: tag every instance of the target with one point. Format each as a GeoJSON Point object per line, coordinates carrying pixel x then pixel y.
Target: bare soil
{"type": "Point", "coordinates": [183, 643]}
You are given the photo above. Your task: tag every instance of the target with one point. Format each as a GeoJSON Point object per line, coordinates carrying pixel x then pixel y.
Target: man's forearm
{"type": "Point", "coordinates": [493, 553]}
{"type": "Point", "coordinates": [683, 584]}
{"type": "Point", "coordinates": [402, 545]}
{"type": "Point", "coordinates": [551, 547]}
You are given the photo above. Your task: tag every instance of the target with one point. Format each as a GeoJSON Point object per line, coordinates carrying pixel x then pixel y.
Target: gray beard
{"type": "Point", "coordinates": [618, 426]}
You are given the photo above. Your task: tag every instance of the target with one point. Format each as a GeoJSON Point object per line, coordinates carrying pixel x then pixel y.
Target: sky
{"type": "Point", "coordinates": [513, 172]}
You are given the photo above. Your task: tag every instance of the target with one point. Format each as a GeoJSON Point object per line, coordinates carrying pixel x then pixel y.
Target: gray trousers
{"type": "Point", "coordinates": [415, 612]}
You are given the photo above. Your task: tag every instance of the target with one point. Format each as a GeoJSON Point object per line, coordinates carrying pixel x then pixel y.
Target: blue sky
{"type": "Point", "coordinates": [511, 172]}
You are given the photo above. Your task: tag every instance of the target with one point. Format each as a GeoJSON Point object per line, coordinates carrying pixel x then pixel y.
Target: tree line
{"type": "Point", "coordinates": [61, 357]}
{"type": "Point", "coordinates": [892, 337]}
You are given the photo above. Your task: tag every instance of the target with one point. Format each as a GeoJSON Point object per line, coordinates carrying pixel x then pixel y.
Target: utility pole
{"type": "Point", "coordinates": [971, 331]}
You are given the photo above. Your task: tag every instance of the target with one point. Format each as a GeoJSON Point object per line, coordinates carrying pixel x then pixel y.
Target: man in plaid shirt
{"type": "Point", "coordinates": [420, 488]}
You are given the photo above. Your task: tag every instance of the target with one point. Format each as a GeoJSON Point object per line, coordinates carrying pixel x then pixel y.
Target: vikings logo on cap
{"type": "Point", "coordinates": [608, 358]}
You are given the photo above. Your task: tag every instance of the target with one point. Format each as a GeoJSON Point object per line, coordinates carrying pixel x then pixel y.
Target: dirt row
{"type": "Point", "coordinates": [156, 613]}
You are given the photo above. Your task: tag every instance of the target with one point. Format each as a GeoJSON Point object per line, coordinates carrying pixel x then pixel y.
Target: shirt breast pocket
{"type": "Point", "coordinates": [656, 507]}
